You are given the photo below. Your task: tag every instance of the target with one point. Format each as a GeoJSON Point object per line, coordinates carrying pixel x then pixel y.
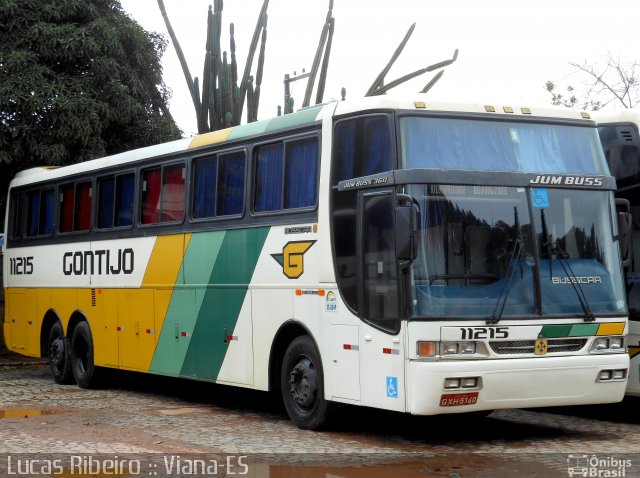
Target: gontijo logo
{"type": "Point", "coordinates": [292, 258]}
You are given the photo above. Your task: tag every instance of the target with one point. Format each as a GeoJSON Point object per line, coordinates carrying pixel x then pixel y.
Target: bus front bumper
{"type": "Point", "coordinates": [514, 383]}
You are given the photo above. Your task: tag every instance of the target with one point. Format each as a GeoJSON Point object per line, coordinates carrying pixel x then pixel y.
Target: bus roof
{"type": "Point", "coordinates": [631, 115]}
{"type": "Point", "coordinates": [301, 118]}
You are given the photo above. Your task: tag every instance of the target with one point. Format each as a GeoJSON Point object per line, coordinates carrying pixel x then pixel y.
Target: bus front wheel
{"type": "Point", "coordinates": [84, 371]}
{"type": "Point", "coordinates": [302, 385]}
{"type": "Point", "coordinates": [59, 356]}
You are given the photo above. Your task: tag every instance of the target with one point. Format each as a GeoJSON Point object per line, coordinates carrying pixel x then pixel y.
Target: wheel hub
{"type": "Point", "coordinates": [57, 351]}
{"type": "Point", "coordinates": [303, 383]}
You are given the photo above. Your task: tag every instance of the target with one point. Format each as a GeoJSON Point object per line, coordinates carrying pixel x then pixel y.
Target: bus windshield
{"type": "Point", "coordinates": [443, 143]}
{"type": "Point", "coordinates": [492, 252]}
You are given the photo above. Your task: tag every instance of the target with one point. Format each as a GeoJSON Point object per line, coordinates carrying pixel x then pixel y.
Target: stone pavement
{"type": "Point", "coordinates": [145, 414]}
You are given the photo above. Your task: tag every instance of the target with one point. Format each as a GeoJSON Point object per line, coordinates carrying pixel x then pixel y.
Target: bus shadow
{"type": "Point", "coordinates": [194, 392]}
{"type": "Point", "coordinates": [624, 412]}
{"type": "Point", "coordinates": [361, 421]}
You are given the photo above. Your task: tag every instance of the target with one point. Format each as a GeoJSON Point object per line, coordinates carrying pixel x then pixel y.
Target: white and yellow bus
{"type": "Point", "coordinates": [391, 253]}
{"type": "Point", "coordinates": [620, 140]}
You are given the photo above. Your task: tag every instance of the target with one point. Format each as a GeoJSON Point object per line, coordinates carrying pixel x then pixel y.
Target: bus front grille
{"type": "Point", "coordinates": [523, 347]}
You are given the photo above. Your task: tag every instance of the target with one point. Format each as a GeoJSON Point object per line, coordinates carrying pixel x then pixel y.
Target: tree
{"type": "Point", "coordinates": [610, 81]}
{"type": "Point", "coordinates": [78, 79]}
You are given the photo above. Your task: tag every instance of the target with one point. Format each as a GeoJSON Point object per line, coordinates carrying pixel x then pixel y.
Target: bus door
{"type": "Point", "coordinates": [381, 345]}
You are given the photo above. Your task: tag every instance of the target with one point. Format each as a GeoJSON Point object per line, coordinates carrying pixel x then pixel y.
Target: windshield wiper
{"type": "Point", "coordinates": [554, 248]}
{"type": "Point", "coordinates": [516, 255]}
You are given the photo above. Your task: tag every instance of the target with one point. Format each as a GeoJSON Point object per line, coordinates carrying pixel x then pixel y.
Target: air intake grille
{"type": "Point", "coordinates": [627, 135]}
{"type": "Point", "coordinates": [523, 347]}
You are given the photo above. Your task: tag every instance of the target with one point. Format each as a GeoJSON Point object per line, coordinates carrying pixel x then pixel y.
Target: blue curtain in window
{"type": "Point", "coordinates": [301, 181]}
{"type": "Point", "coordinates": [124, 200]}
{"type": "Point", "coordinates": [47, 212]}
{"type": "Point", "coordinates": [34, 213]}
{"type": "Point", "coordinates": [105, 202]}
{"type": "Point", "coordinates": [231, 185]}
{"type": "Point", "coordinates": [378, 146]}
{"type": "Point", "coordinates": [204, 194]}
{"type": "Point", "coordinates": [269, 175]}
{"type": "Point", "coordinates": [500, 146]}
{"type": "Point", "coordinates": [457, 144]}
{"type": "Point", "coordinates": [346, 151]}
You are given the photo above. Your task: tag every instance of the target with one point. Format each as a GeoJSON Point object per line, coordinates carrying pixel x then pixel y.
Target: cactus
{"type": "Point", "coordinates": [324, 46]}
{"type": "Point", "coordinates": [221, 101]}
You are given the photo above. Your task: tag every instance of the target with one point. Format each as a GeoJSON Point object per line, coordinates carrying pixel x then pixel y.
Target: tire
{"type": "Point", "coordinates": [302, 385]}
{"type": "Point", "coordinates": [84, 371]}
{"type": "Point", "coordinates": [59, 355]}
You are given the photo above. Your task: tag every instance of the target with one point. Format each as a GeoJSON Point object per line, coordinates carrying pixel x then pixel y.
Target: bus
{"type": "Point", "coordinates": [384, 252]}
{"type": "Point", "coordinates": [619, 135]}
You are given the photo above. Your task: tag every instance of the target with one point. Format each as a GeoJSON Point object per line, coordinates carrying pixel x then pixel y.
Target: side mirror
{"type": "Point", "coordinates": [406, 226]}
{"type": "Point", "coordinates": [624, 230]}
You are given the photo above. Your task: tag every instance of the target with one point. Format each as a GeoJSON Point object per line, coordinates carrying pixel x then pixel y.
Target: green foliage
{"type": "Point", "coordinates": [571, 100]}
{"type": "Point", "coordinates": [610, 80]}
{"type": "Point", "coordinates": [78, 79]}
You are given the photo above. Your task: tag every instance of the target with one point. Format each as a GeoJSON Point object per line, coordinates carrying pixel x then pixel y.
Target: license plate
{"type": "Point", "coordinates": [458, 399]}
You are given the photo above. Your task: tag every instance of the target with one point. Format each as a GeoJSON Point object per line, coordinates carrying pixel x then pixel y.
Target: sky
{"type": "Point", "coordinates": [508, 49]}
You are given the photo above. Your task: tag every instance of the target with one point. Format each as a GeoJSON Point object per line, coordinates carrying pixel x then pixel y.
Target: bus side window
{"type": "Point", "coordinates": [75, 207]}
{"type": "Point", "coordinates": [15, 215]}
{"type": "Point", "coordinates": [115, 201]}
{"type": "Point", "coordinates": [230, 190]}
{"type": "Point", "coordinates": [82, 210]}
{"type": "Point", "coordinates": [125, 191]}
{"type": "Point", "coordinates": [268, 185]}
{"type": "Point", "coordinates": [66, 208]}
{"type": "Point", "coordinates": [151, 196]}
{"type": "Point", "coordinates": [286, 175]}
{"type": "Point", "coordinates": [163, 194]}
{"type": "Point", "coordinates": [106, 188]}
{"type": "Point", "coordinates": [362, 147]}
{"type": "Point", "coordinates": [172, 204]}
{"type": "Point", "coordinates": [205, 171]}
{"type": "Point", "coordinates": [301, 174]}
{"type": "Point", "coordinates": [41, 207]}
{"type": "Point", "coordinates": [218, 185]}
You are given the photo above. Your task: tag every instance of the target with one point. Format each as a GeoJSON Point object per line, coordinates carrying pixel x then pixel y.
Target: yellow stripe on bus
{"type": "Point", "coordinates": [615, 328]}
{"type": "Point", "coordinates": [165, 261]}
{"type": "Point", "coordinates": [210, 138]}
{"type": "Point", "coordinates": [147, 307]}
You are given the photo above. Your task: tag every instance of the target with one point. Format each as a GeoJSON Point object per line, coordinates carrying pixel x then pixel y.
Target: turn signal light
{"type": "Point", "coordinates": [427, 349]}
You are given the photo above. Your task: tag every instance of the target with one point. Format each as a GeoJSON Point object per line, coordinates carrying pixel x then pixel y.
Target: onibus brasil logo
{"type": "Point", "coordinates": [292, 258]}
{"type": "Point", "coordinates": [597, 466]}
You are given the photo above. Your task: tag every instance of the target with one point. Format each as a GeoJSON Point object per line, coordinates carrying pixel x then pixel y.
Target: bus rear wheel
{"type": "Point", "coordinates": [84, 370]}
{"type": "Point", "coordinates": [59, 357]}
{"type": "Point", "coordinates": [302, 385]}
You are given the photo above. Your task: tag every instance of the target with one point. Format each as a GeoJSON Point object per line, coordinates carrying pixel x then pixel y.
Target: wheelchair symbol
{"type": "Point", "coordinates": [539, 198]}
{"type": "Point", "coordinates": [392, 387]}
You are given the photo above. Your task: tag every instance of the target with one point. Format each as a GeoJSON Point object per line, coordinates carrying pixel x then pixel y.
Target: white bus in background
{"type": "Point", "coordinates": [620, 141]}
{"type": "Point", "coordinates": [385, 252]}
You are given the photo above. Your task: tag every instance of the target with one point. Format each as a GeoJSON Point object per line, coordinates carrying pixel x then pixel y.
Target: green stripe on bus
{"type": "Point", "coordinates": [221, 305]}
{"type": "Point", "coordinates": [584, 330]}
{"type": "Point", "coordinates": [553, 331]}
{"type": "Point", "coordinates": [186, 301]}
{"type": "Point", "coordinates": [299, 118]}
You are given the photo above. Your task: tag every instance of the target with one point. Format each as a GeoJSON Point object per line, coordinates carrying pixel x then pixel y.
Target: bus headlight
{"type": "Point", "coordinates": [456, 383]}
{"type": "Point", "coordinates": [617, 375]}
{"type": "Point", "coordinates": [603, 345]}
{"type": "Point", "coordinates": [451, 350]}
{"type": "Point", "coordinates": [451, 383]}
{"type": "Point", "coordinates": [462, 349]}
